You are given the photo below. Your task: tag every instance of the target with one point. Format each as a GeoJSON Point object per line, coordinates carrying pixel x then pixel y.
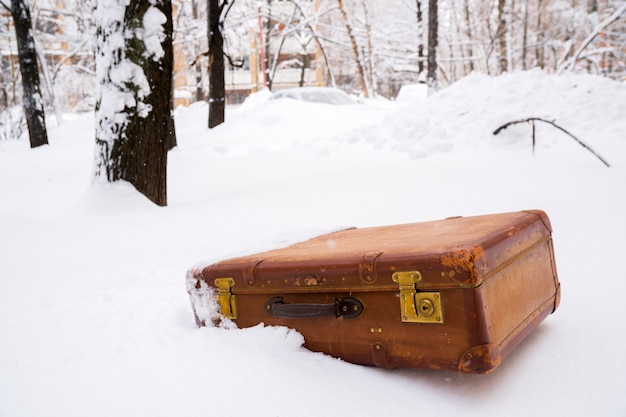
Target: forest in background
{"type": "Point", "coordinates": [391, 42]}
{"type": "Point", "coordinates": [134, 61]}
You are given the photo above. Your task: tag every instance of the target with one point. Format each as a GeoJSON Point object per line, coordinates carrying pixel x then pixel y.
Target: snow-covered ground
{"type": "Point", "coordinates": [94, 314]}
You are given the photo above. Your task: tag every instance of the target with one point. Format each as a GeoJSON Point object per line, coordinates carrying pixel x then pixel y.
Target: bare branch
{"type": "Point", "coordinates": [72, 54]}
{"type": "Point", "coordinates": [603, 25]}
{"type": "Point", "coordinates": [5, 6]}
{"type": "Point", "coordinates": [533, 119]}
{"type": "Point", "coordinates": [230, 6]}
{"type": "Point", "coordinates": [200, 56]}
{"type": "Point", "coordinates": [234, 63]}
{"type": "Point", "coordinates": [317, 40]}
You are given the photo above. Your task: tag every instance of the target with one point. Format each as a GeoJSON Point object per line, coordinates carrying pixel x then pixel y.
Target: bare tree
{"type": "Point", "coordinates": [367, 64]}
{"type": "Point", "coordinates": [365, 87]}
{"type": "Point", "coordinates": [475, 36]}
{"type": "Point", "coordinates": [199, 92]}
{"type": "Point", "coordinates": [420, 37]}
{"type": "Point", "coordinates": [27, 55]}
{"type": "Point", "coordinates": [539, 56]}
{"type": "Point", "coordinates": [502, 35]}
{"type": "Point", "coordinates": [307, 28]}
{"type": "Point", "coordinates": [433, 28]}
{"type": "Point", "coordinates": [595, 33]}
{"type": "Point", "coordinates": [525, 36]}
{"type": "Point", "coordinates": [267, 28]}
{"type": "Point", "coordinates": [217, 89]}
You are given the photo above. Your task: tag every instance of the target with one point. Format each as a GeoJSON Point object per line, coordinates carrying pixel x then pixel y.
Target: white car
{"type": "Point", "coordinates": [327, 95]}
{"type": "Point", "coordinates": [411, 93]}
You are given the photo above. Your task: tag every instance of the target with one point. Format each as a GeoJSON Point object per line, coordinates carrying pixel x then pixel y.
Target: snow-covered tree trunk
{"type": "Point", "coordinates": [33, 100]}
{"type": "Point", "coordinates": [134, 63]}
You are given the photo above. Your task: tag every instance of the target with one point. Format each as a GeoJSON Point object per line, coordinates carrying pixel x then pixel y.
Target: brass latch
{"type": "Point", "coordinates": [417, 307]}
{"type": "Point", "coordinates": [225, 298]}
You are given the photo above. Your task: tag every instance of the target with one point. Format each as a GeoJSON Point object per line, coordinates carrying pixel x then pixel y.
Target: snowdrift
{"type": "Point", "coordinates": [94, 315]}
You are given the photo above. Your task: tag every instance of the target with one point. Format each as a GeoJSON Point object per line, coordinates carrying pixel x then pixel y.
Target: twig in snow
{"type": "Point", "coordinates": [533, 119]}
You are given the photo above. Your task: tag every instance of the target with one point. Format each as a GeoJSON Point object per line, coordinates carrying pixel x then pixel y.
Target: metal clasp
{"type": "Point", "coordinates": [417, 307]}
{"type": "Point", "coordinates": [225, 297]}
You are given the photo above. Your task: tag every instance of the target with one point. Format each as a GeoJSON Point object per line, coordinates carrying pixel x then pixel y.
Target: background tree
{"type": "Point", "coordinates": [365, 88]}
{"type": "Point", "coordinates": [134, 73]}
{"type": "Point", "coordinates": [63, 32]}
{"type": "Point", "coordinates": [27, 55]}
{"type": "Point", "coordinates": [595, 33]}
{"type": "Point", "coordinates": [199, 91]}
{"type": "Point", "coordinates": [217, 89]}
{"type": "Point", "coordinates": [420, 36]}
{"type": "Point", "coordinates": [433, 28]}
{"type": "Point", "coordinates": [267, 31]}
{"type": "Point", "coordinates": [317, 49]}
{"type": "Point", "coordinates": [502, 35]}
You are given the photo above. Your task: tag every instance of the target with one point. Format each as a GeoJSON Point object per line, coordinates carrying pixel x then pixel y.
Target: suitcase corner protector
{"type": "Point", "coordinates": [481, 359]}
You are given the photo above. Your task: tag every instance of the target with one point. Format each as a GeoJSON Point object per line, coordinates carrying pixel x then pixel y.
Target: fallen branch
{"type": "Point", "coordinates": [533, 119]}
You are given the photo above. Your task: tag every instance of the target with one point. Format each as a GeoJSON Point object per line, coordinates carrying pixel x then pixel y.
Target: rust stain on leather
{"type": "Point", "coordinates": [471, 260]}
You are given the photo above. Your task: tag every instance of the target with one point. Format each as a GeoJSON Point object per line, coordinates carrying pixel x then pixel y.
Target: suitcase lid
{"type": "Point", "coordinates": [450, 253]}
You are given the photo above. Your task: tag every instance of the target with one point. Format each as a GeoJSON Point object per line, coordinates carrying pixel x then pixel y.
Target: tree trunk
{"type": "Point", "coordinates": [321, 49]}
{"type": "Point", "coordinates": [199, 91]}
{"type": "Point", "coordinates": [370, 51]}
{"type": "Point", "coordinates": [217, 89]}
{"type": "Point", "coordinates": [266, 46]}
{"type": "Point", "coordinates": [463, 64]}
{"type": "Point", "coordinates": [539, 55]}
{"type": "Point", "coordinates": [502, 36]}
{"type": "Point", "coordinates": [420, 40]}
{"type": "Point", "coordinates": [355, 50]}
{"type": "Point", "coordinates": [304, 62]}
{"type": "Point", "coordinates": [525, 36]}
{"type": "Point", "coordinates": [49, 84]}
{"type": "Point", "coordinates": [272, 72]}
{"type": "Point", "coordinates": [468, 30]}
{"type": "Point", "coordinates": [134, 122]}
{"type": "Point", "coordinates": [33, 100]}
{"type": "Point", "coordinates": [433, 23]}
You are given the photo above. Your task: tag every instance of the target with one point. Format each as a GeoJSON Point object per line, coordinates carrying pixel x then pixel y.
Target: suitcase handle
{"type": "Point", "coordinates": [346, 307]}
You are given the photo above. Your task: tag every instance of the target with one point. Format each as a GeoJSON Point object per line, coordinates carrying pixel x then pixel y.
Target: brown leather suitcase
{"type": "Point", "coordinates": [455, 294]}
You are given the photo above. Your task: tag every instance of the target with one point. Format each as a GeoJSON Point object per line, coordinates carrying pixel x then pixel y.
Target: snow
{"type": "Point", "coordinates": [412, 92]}
{"type": "Point", "coordinates": [95, 318]}
{"type": "Point", "coordinates": [153, 33]}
